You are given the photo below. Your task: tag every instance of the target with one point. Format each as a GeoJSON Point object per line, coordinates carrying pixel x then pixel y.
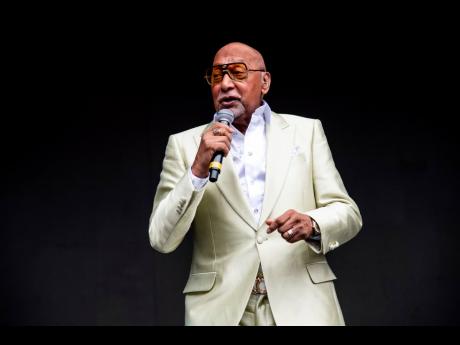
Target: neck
{"type": "Point", "coordinates": [242, 123]}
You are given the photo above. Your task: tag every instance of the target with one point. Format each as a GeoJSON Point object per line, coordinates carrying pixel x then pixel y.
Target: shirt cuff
{"type": "Point", "coordinates": [198, 182]}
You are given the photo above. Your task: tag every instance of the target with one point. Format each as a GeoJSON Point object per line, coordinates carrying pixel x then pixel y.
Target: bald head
{"type": "Point", "coordinates": [236, 52]}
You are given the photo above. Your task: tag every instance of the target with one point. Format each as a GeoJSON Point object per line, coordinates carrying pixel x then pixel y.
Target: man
{"type": "Point", "coordinates": [262, 230]}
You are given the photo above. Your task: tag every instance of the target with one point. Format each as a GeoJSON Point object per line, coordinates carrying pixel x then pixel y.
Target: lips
{"type": "Point", "coordinates": [228, 101]}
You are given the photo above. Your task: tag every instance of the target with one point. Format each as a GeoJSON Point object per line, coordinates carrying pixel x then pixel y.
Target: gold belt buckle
{"type": "Point", "coordinates": [259, 286]}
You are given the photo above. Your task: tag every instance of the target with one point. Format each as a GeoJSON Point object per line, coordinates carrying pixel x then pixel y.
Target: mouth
{"type": "Point", "coordinates": [228, 101]}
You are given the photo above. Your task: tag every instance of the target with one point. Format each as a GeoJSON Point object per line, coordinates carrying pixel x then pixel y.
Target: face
{"type": "Point", "coordinates": [245, 96]}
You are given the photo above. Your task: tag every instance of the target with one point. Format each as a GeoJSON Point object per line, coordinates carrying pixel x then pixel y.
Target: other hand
{"type": "Point", "coordinates": [292, 225]}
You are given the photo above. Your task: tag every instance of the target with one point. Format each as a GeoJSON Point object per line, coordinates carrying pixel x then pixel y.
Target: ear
{"type": "Point", "coordinates": [266, 81]}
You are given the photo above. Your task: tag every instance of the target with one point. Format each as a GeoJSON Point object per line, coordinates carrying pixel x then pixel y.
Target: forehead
{"type": "Point", "coordinates": [233, 53]}
{"type": "Point", "coordinates": [233, 65]}
{"type": "Point", "coordinates": [229, 59]}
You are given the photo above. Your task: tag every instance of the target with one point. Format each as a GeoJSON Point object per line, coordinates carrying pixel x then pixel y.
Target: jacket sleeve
{"type": "Point", "coordinates": [175, 202]}
{"type": "Point", "coordinates": [336, 214]}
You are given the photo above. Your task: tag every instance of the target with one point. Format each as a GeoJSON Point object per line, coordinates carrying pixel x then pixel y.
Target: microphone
{"type": "Point", "coordinates": [226, 117]}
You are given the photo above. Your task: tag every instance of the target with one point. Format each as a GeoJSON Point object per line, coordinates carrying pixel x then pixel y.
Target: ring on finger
{"type": "Point", "coordinates": [290, 233]}
{"type": "Point", "coordinates": [216, 131]}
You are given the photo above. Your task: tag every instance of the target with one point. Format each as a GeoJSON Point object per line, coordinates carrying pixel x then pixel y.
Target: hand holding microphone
{"type": "Point", "coordinates": [215, 144]}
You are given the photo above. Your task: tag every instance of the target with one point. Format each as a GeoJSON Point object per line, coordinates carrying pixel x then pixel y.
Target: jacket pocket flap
{"type": "Point", "coordinates": [200, 282]}
{"type": "Point", "coordinates": [320, 272]}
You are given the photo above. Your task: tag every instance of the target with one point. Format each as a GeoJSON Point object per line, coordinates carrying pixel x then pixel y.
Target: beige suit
{"type": "Point", "coordinates": [229, 245]}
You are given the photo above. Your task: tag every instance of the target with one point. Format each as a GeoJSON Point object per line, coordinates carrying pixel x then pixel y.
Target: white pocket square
{"type": "Point", "coordinates": [296, 150]}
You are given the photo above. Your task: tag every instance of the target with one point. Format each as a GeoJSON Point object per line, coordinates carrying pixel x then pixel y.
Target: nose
{"type": "Point", "coordinates": [226, 83]}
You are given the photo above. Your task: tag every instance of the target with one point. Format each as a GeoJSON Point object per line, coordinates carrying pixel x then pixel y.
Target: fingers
{"type": "Point", "coordinates": [275, 224]}
{"type": "Point", "coordinates": [219, 144]}
{"type": "Point", "coordinates": [295, 235]}
{"type": "Point", "coordinates": [219, 129]}
{"type": "Point", "coordinates": [222, 147]}
{"type": "Point", "coordinates": [283, 222]}
{"type": "Point", "coordinates": [287, 235]}
{"type": "Point", "coordinates": [213, 143]}
{"type": "Point", "coordinates": [272, 225]}
{"type": "Point", "coordinates": [290, 225]}
{"type": "Point", "coordinates": [216, 134]}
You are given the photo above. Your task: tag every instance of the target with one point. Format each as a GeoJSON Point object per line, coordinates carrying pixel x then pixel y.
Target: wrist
{"type": "Point", "coordinates": [197, 182]}
{"type": "Point", "coordinates": [196, 171]}
{"type": "Point", "coordinates": [315, 234]}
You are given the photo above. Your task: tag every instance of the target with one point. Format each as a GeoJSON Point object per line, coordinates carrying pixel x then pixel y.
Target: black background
{"type": "Point", "coordinates": [93, 96]}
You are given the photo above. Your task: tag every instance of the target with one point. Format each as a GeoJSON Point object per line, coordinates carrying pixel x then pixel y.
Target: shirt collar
{"type": "Point", "coordinates": [263, 111]}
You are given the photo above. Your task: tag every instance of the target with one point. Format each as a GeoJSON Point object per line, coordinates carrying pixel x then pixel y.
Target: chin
{"type": "Point", "coordinates": [236, 114]}
{"type": "Point", "coordinates": [237, 110]}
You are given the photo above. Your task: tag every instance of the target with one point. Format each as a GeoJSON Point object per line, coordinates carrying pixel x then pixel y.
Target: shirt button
{"type": "Point", "coordinates": [256, 210]}
{"type": "Point", "coordinates": [260, 240]}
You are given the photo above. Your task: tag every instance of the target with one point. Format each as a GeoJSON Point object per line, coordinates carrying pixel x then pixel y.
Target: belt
{"type": "Point", "coordinates": [259, 286]}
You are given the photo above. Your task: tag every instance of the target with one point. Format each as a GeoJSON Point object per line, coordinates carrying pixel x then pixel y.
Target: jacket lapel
{"type": "Point", "coordinates": [229, 186]}
{"type": "Point", "coordinates": [280, 137]}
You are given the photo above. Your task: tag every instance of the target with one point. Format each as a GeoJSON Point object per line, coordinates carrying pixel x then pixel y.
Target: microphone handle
{"type": "Point", "coordinates": [215, 166]}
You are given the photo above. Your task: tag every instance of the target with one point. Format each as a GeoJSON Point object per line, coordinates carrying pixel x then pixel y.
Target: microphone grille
{"type": "Point", "coordinates": [225, 115]}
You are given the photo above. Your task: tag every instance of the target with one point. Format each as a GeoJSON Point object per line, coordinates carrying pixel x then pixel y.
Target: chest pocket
{"type": "Point", "coordinates": [320, 272]}
{"type": "Point", "coordinates": [200, 282]}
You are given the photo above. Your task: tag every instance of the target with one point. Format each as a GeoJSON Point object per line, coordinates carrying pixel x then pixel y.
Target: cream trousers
{"type": "Point", "coordinates": [258, 312]}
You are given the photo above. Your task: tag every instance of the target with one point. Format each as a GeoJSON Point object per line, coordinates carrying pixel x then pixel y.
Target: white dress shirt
{"type": "Point", "coordinates": [249, 153]}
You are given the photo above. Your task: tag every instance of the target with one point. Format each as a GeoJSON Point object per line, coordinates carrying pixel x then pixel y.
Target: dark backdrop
{"type": "Point", "coordinates": [94, 101]}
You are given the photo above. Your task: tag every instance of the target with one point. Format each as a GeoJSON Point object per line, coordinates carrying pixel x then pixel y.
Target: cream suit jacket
{"type": "Point", "coordinates": [229, 245]}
